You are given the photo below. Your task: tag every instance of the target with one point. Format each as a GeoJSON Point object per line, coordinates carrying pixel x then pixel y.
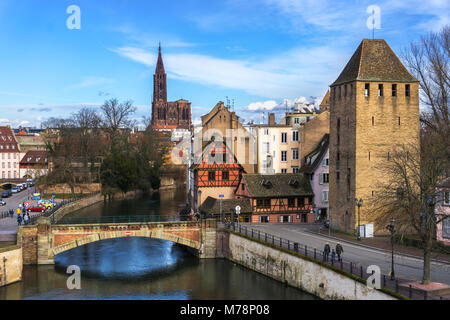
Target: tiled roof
{"type": "Point", "coordinates": [313, 159]}
{"type": "Point", "coordinates": [35, 157]}
{"type": "Point", "coordinates": [277, 185]}
{"type": "Point", "coordinates": [8, 141]}
{"type": "Point", "coordinates": [212, 205]}
{"type": "Point", "coordinates": [374, 60]}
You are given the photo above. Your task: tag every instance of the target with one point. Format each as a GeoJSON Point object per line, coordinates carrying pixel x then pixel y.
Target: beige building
{"type": "Point", "coordinates": [30, 142]}
{"type": "Point", "coordinates": [374, 106]}
{"type": "Point", "coordinates": [221, 120]}
{"type": "Point", "coordinates": [278, 147]}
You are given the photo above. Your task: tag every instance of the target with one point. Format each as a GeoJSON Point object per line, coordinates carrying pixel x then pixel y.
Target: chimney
{"type": "Point", "coordinates": [271, 119]}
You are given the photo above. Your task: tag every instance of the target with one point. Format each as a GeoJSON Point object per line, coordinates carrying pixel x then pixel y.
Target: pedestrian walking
{"type": "Point", "coordinates": [326, 252]}
{"type": "Point", "coordinates": [19, 220]}
{"type": "Point", "coordinates": [333, 255]}
{"type": "Point", "coordinates": [11, 213]}
{"type": "Point", "coordinates": [18, 211]}
{"type": "Point", "coordinates": [26, 218]}
{"type": "Point", "coordinates": [339, 251]}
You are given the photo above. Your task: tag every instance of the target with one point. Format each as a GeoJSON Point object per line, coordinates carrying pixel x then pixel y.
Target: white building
{"type": "Point", "coordinates": [9, 154]}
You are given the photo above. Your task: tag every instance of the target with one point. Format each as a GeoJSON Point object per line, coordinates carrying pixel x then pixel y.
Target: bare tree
{"type": "Point", "coordinates": [409, 192]}
{"type": "Point", "coordinates": [116, 119]}
{"type": "Point", "coordinates": [429, 61]}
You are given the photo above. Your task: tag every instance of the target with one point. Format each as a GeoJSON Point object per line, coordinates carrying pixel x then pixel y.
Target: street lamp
{"type": "Point", "coordinates": [199, 203]}
{"type": "Point", "coordinates": [391, 229]}
{"type": "Point", "coordinates": [359, 203]}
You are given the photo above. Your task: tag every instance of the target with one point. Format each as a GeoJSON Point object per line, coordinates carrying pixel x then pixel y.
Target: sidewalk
{"type": "Point", "coordinates": [384, 243]}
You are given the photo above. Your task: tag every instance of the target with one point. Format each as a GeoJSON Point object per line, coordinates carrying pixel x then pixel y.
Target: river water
{"type": "Point", "coordinates": [139, 268]}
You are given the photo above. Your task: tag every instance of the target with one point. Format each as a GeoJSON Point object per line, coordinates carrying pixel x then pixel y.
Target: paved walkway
{"type": "Point", "coordinates": [406, 267]}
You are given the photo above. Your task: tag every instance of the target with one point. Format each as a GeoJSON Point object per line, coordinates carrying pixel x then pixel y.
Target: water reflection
{"type": "Point", "coordinates": [143, 268]}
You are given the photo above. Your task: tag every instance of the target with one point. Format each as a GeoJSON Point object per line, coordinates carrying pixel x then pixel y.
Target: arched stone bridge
{"type": "Point", "coordinates": [44, 241]}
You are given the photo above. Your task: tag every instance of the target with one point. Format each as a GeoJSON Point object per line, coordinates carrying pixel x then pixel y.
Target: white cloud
{"type": "Point", "coordinates": [288, 74]}
{"type": "Point", "coordinates": [266, 105]}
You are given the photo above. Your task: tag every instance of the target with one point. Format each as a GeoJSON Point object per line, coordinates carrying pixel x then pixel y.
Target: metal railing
{"type": "Point", "coordinates": [118, 219]}
{"type": "Point", "coordinates": [357, 269]}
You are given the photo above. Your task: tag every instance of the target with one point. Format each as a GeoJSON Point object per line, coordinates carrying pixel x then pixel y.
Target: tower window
{"type": "Point", "coordinates": [380, 90]}
{"type": "Point", "coordinates": [398, 121]}
{"type": "Point", "coordinates": [367, 90]}
{"type": "Point", "coordinates": [407, 90]}
{"type": "Point", "coordinates": [369, 155]}
{"type": "Point", "coordinates": [373, 121]}
{"type": "Point", "coordinates": [394, 90]}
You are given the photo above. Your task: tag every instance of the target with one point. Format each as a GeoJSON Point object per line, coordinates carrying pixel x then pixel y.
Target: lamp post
{"type": "Point", "coordinates": [359, 203]}
{"type": "Point", "coordinates": [199, 203]}
{"type": "Point", "coordinates": [391, 229]}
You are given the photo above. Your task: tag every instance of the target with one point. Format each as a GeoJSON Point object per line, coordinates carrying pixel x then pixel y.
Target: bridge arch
{"type": "Point", "coordinates": [47, 240]}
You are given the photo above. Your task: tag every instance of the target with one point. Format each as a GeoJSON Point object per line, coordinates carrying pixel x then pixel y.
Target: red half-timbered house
{"type": "Point", "coordinates": [278, 198]}
{"type": "Point", "coordinates": [217, 172]}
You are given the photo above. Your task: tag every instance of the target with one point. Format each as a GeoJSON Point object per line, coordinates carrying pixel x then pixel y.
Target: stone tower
{"type": "Point", "coordinates": [167, 115]}
{"type": "Point", "coordinates": [374, 106]}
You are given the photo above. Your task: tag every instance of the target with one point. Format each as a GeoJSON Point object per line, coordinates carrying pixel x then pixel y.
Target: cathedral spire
{"type": "Point", "coordinates": [160, 64]}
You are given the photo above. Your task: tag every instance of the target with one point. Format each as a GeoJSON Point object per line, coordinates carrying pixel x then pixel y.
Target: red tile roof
{"type": "Point", "coordinates": [8, 142]}
{"type": "Point", "coordinates": [35, 157]}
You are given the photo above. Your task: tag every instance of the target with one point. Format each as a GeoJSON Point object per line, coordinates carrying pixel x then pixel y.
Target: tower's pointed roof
{"type": "Point", "coordinates": [374, 60]}
{"type": "Point", "coordinates": [160, 64]}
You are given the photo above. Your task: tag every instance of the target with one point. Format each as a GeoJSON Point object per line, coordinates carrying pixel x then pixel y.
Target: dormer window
{"type": "Point", "coordinates": [394, 90]}
{"type": "Point", "coordinates": [367, 90]}
{"type": "Point", "coordinates": [407, 90]}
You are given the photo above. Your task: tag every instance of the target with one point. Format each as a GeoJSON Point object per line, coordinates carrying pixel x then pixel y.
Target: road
{"type": "Point", "coordinates": [9, 226]}
{"type": "Point", "coordinates": [405, 267]}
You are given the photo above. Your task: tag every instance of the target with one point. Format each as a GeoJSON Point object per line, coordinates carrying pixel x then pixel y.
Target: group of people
{"type": "Point", "coordinates": [22, 215]}
{"type": "Point", "coordinates": [334, 252]}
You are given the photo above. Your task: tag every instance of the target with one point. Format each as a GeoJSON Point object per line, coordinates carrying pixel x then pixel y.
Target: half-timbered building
{"type": "Point", "coordinates": [285, 198]}
{"type": "Point", "coordinates": [215, 174]}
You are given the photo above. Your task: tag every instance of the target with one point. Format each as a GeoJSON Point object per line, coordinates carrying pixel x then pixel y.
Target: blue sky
{"type": "Point", "coordinates": [257, 52]}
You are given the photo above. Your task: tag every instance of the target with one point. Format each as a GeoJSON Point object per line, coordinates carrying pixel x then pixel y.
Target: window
{"type": "Point", "coordinates": [345, 90]}
{"type": "Point", "coordinates": [225, 175]}
{"type": "Point", "coordinates": [373, 121]}
{"type": "Point", "coordinates": [300, 201]}
{"type": "Point", "coordinates": [399, 121]}
{"type": "Point", "coordinates": [326, 162]}
{"type": "Point", "coordinates": [446, 227]}
{"type": "Point", "coordinates": [283, 156]}
{"type": "Point", "coordinates": [394, 90]}
{"type": "Point", "coordinates": [211, 176]}
{"type": "Point", "coordinates": [324, 178]}
{"type": "Point", "coordinates": [266, 132]}
{"type": "Point", "coordinates": [446, 196]}
{"type": "Point", "coordinates": [380, 90]}
{"type": "Point", "coordinates": [267, 203]}
{"type": "Point", "coordinates": [266, 147]}
{"type": "Point", "coordinates": [369, 155]}
{"type": "Point", "coordinates": [295, 169]}
{"type": "Point", "coordinates": [296, 120]}
{"type": "Point", "coordinates": [325, 196]}
{"type": "Point", "coordinates": [284, 137]}
{"type": "Point", "coordinates": [243, 187]}
{"type": "Point", "coordinates": [283, 170]}
{"type": "Point", "coordinates": [294, 154]}
{"type": "Point", "coordinates": [291, 202]}
{"type": "Point", "coordinates": [367, 90]}
{"type": "Point", "coordinates": [294, 136]}
{"type": "Point", "coordinates": [407, 90]}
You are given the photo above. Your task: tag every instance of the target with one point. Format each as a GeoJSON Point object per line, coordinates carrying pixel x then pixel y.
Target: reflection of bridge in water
{"type": "Point", "coordinates": [45, 240]}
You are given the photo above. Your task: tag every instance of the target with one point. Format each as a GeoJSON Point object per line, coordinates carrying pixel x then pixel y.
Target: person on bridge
{"type": "Point", "coordinates": [26, 218]}
{"type": "Point", "coordinates": [326, 252]}
{"type": "Point", "coordinates": [18, 211]}
{"type": "Point", "coordinates": [339, 251]}
{"type": "Point", "coordinates": [19, 219]}
{"type": "Point", "coordinates": [333, 256]}
{"type": "Point", "coordinates": [11, 213]}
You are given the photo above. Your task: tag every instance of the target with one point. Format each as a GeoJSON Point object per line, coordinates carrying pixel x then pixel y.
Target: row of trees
{"type": "Point", "coordinates": [411, 192]}
{"type": "Point", "coordinates": [101, 146]}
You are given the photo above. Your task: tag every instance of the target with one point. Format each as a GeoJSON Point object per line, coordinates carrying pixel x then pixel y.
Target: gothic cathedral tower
{"type": "Point", "coordinates": [167, 115]}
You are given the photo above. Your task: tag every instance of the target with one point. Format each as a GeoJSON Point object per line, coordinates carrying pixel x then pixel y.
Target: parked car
{"type": "Point", "coordinates": [2, 203]}
{"type": "Point", "coordinates": [38, 208]}
{"type": "Point", "coordinates": [15, 190]}
{"type": "Point", "coordinates": [46, 203]}
{"type": "Point", "coordinates": [6, 194]}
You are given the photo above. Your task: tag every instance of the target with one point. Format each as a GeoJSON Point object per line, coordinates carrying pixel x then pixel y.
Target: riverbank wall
{"type": "Point", "coordinates": [11, 265]}
{"type": "Point", "coordinates": [295, 269]}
